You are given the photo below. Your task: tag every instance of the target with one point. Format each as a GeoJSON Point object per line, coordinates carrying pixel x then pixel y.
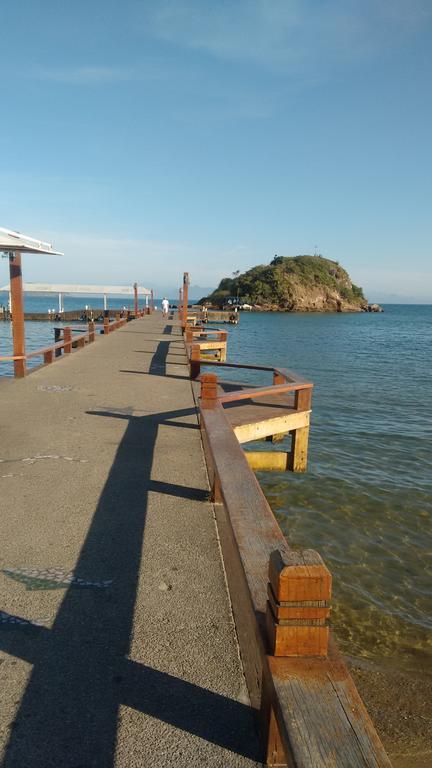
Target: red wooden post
{"type": "Point", "coordinates": [67, 338]}
{"type": "Point", "coordinates": [106, 325]}
{"type": "Point", "coordinates": [91, 331]}
{"type": "Point", "coordinates": [17, 302]}
{"type": "Point", "coordinates": [48, 356]}
{"type": "Point", "coordinates": [185, 299]}
{"type": "Point", "coordinates": [195, 357]}
{"type": "Point", "coordinates": [302, 399]}
{"type": "Point", "coordinates": [180, 305]}
{"type": "Point", "coordinates": [278, 378]}
{"type": "Point", "coordinates": [209, 391]}
{"type": "Point", "coordinates": [299, 604]}
{"type": "Point", "coordinates": [135, 287]}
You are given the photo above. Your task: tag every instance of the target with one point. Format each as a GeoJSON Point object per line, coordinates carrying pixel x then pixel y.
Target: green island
{"type": "Point", "coordinates": [294, 284]}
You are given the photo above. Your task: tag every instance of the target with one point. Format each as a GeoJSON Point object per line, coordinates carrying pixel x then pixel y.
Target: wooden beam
{"type": "Point", "coordinates": [299, 451]}
{"type": "Point", "coordinates": [245, 433]}
{"type": "Point", "coordinates": [17, 302]}
{"type": "Point", "coordinates": [268, 461]}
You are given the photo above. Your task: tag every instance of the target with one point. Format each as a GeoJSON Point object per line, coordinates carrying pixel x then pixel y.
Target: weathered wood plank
{"type": "Point", "coordinates": [299, 452]}
{"type": "Point", "coordinates": [319, 703]}
{"type": "Point", "coordinates": [249, 431]}
{"type": "Point", "coordinates": [268, 461]}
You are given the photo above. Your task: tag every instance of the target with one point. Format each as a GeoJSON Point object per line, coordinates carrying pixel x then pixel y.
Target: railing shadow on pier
{"type": "Point", "coordinates": [81, 673]}
{"type": "Point", "coordinates": [158, 365]}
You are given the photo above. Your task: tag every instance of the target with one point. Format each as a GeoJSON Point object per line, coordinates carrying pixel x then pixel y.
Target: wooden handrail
{"type": "Point", "coordinates": [52, 347]}
{"type": "Point", "coordinates": [310, 713]}
{"type": "Point", "coordinates": [67, 342]}
{"type": "Point", "coordinates": [278, 389]}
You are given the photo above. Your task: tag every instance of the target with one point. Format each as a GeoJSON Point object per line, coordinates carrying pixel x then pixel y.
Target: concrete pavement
{"type": "Point", "coordinates": [117, 645]}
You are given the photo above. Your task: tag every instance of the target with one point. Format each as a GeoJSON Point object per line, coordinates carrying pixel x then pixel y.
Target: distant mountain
{"type": "Point", "coordinates": [295, 284]}
{"type": "Point", "coordinates": [195, 292]}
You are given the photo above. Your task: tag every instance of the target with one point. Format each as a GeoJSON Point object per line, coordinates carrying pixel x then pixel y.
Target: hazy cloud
{"type": "Point", "coordinates": [287, 34]}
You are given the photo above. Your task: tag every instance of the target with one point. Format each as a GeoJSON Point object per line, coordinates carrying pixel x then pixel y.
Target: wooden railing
{"type": "Point", "coordinates": [310, 713]}
{"type": "Point", "coordinates": [66, 341]}
{"type": "Point", "coordinates": [213, 342]}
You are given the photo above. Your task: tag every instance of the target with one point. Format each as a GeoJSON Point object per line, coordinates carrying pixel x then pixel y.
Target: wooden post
{"type": "Point", "coordinates": [209, 390]}
{"type": "Point", "coordinates": [67, 338]}
{"type": "Point", "coordinates": [278, 378]}
{"type": "Point", "coordinates": [185, 300]}
{"type": "Point", "coordinates": [48, 356]}
{"type": "Point", "coordinates": [80, 342]}
{"type": "Point", "coordinates": [17, 306]}
{"type": "Point", "coordinates": [57, 333]}
{"type": "Point", "coordinates": [106, 324]}
{"type": "Point", "coordinates": [300, 437]}
{"type": "Point", "coordinates": [195, 357]}
{"type": "Point", "coordinates": [135, 287]}
{"type": "Point", "coordinates": [91, 331]}
{"type": "Point", "coordinates": [298, 605]}
{"type": "Point", "coordinates": [303, 399]}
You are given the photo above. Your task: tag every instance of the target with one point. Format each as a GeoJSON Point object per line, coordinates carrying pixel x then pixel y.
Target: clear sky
{"type": "Point", "coordinates": [147, 138]}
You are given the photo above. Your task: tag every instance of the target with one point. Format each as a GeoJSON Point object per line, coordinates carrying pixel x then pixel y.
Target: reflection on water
{"type": "Point", "coordinates": [365, 502]}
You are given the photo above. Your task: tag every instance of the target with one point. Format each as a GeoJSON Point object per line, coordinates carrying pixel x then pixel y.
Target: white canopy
{"type": "Point", "coordinates": [15, 241]}
{"type": "Point", "coordinates": [85, 290]}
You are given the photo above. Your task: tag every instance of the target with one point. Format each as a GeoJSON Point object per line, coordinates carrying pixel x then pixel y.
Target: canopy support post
{"type": "Point", "coordinates": [135, 287]}
{"type": "Point", "coordinates": [17, 307]}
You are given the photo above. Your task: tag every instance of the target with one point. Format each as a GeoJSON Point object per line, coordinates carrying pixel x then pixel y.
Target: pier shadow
{"type": "Point", "coordinates": [81, 673]}
{"type": "Point", "coordinates": [159, 362]}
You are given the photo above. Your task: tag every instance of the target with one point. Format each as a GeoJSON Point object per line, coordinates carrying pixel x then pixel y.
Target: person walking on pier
{"type": "Point", "coordinates": [165, 306]}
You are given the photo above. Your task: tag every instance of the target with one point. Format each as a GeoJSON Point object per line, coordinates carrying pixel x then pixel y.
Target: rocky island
{"type": "Point", "coordinates": [294, 284]}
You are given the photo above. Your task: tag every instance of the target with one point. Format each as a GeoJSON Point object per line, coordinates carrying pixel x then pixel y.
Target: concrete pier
{"type": "Point", "coordinates": [117, 645]}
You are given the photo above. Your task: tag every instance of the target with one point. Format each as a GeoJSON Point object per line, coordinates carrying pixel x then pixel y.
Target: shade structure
{"type": "Point", "coordinates": [16, 242]}
{"type": "Point", "coordinates": [84, 290]}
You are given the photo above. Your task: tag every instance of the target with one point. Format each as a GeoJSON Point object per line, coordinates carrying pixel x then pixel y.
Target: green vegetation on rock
{"type": "Point", "coordinates": [294, 283]}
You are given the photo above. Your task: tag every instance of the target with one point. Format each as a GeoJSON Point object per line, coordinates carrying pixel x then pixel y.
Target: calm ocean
{"type": "Point", "coordinates": [365, 503]}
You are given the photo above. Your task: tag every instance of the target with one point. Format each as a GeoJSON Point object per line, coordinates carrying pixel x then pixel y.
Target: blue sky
{"type": "Point", "coordinates": [146, 138]}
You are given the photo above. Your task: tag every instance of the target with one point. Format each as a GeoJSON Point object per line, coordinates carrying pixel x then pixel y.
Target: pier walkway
{"type": "Point", "coordinates": [117, 645]}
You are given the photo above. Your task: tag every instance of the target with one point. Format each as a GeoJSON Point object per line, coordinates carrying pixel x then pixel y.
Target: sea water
{"type": "Point", "coordinates": [365, 502]}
